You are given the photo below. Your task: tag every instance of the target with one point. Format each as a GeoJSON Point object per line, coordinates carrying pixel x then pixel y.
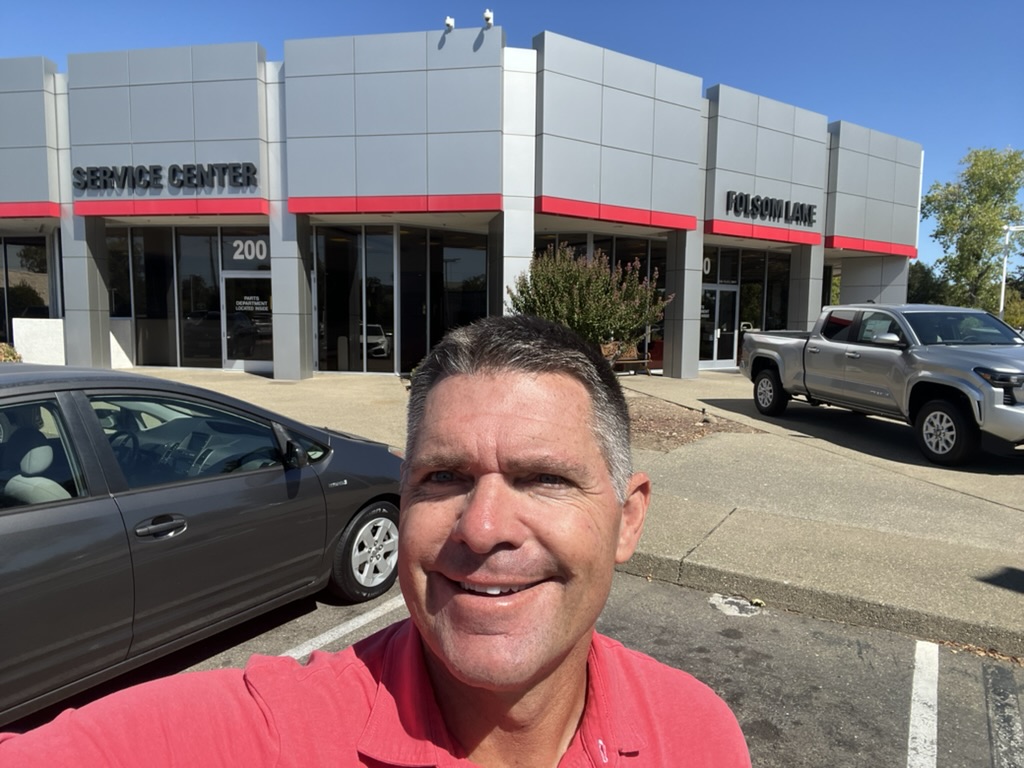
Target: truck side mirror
{"type": "Point", "coordinates": [887, 339]}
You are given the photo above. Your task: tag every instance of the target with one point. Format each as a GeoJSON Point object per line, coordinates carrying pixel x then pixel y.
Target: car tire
{"type": "Point", "coordinates": [366, 558]}
{"type": "Point", "coordinates": [769, 396]}
{"type": "Point", "coordinates": [946, 434]}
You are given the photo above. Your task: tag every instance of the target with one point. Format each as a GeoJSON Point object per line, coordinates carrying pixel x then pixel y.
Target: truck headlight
{"type": "Point", "coordinates": [1001, 379]}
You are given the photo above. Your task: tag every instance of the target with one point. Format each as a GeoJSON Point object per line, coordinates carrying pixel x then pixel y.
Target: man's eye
{"type": "Point", "coordinates": [440, 476]}
{"type": "Point", "coordinates": [548, 479]}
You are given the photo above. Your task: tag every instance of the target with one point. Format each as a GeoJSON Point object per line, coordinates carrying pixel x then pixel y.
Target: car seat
{"type": "Point", "coordinates": [28, 447]}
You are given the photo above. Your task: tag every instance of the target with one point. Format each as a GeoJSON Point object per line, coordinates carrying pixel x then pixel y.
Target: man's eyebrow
{"type": "Point", "coordinates": [548, 464]}
{"type": "Point", "coordinates": [438, 458]}
{"type": "Point", "coordinates": [536, 464]}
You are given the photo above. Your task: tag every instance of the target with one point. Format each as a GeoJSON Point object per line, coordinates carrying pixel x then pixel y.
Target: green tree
{"type": "Point", "coordinates": [599, 302]}
{"type": "Point", "coordinates": [923, 286]}
{"type": "Point", "coordinates": [969, 215]}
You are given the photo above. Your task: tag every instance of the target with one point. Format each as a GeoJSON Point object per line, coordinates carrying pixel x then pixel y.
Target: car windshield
{"type": "Point", "coordinates": [961, 328]}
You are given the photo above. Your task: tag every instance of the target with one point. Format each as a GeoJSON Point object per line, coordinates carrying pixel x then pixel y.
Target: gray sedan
{"type": "Point", "coordinates": [138, 516]}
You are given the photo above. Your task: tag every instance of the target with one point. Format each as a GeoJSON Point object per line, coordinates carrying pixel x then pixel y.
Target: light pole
{"type": "Point", "coordinates": [1009, 229]}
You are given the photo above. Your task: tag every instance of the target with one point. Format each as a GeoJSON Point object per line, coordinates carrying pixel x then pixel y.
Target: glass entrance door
{"type": "Point", "coordinates": [247, 324]}
{"type": "Point", "coordinates": [719, 313]}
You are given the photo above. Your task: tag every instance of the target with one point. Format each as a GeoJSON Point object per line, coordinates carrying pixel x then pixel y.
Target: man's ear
{"type": "Point", "coordinates": [634, 511]}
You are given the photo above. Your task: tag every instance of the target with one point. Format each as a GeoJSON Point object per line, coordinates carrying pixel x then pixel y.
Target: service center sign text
{"type": "Point", "coordinates": [749, 206]}
{"type": "Point", "coordinates": [188, 176]}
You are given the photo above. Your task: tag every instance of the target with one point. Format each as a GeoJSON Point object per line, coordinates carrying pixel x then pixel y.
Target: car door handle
{"type": "Point", "coordinates": [813, 350]}
{"type": "Point", "coordinates": [162, 526]}
{"type": "Point", "coordinates": [854, 355]}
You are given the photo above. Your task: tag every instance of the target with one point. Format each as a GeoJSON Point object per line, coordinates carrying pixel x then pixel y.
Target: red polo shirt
{"type": "Point", "coordinates": [371, 705]}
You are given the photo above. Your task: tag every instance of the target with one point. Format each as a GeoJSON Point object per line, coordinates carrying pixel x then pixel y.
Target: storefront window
{"type": "Point", "coordinates": [543, 242]}
{"type": "Point", "coordinates": [199, 298]}
{"type": "Point", "coordinates": [728, 266]}
{"type": "Point", "coordinates": [153, 295]}
{"type": "Point", "coordinates": [378, 337]}
{"type": "Point", "coordinates": [245, 249]}
{"type": "Point", "coordinates": [339, 289]}
{"type": "Point", "coordinates": [752, 266]}
{"type": "Point", "coordinates": [776, 292]}
{"type": "Point", "coordinates": [28, 282]}
{"type": "Point", "coordinates": [118, 265]}
{"type": "Point", "coordinates": [710, 266]}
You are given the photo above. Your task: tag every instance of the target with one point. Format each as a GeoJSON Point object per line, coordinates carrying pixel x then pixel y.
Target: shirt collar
{"type": "Point", "coordinates": [405, 727]}
{"type": "Point", "coordinates": [608, 728]}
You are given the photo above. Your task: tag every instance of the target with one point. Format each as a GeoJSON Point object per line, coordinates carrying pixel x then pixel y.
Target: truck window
{"type": "Point", "coordinates": [874, 323]}
{"type": "Point", "coordinates": [838, 324]}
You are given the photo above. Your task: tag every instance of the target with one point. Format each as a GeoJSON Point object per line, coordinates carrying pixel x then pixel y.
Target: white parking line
{"type": "Point", "coordinates": [922, 743]}
{"type": "Point", "coordinates": [345, 628]}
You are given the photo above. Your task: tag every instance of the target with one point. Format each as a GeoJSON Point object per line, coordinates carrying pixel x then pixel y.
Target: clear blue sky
{"type": "Point", "coordinates": [948, 75]}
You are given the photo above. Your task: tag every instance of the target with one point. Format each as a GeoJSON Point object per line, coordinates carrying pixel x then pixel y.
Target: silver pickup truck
{"type": "Point", "coordinates": [951, 373]}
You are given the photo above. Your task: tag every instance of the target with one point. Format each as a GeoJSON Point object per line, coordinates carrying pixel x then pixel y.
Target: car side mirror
{"type": "Point", "coordinates": [293, 455]}
{"type": "Point", "coordinates": [887, 339]}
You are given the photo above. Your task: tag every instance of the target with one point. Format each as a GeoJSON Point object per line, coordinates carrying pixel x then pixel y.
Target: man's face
{"type": "Point", "coordinates": [510, 527]}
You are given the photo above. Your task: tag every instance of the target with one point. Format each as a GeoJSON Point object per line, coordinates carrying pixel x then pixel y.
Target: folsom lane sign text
{"type": "Point", "coordinates": [775, 209]}
{"type": "Point", "coordinates": [188, 176]}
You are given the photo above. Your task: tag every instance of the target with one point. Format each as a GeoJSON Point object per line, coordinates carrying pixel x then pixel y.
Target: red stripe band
{"type": "Point", "coordinates": [870, 246]}
{"type": "Point", "coordinates": [36, 210]}
{"type": "Point", "coordinates": [179, 206]}
{"type": "Point", "coordinates": [580, 209]}
{"type": "Point", "coordinates": [395, 204]}
{"type": "Point", "coordinates": [759, 232]}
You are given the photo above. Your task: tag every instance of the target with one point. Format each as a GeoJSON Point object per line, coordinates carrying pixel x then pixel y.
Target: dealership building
{"type": "Point", "coordinates": [341, 209]}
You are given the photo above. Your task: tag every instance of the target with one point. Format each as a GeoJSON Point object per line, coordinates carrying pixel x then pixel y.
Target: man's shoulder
{"type": "Point", "coordinates": [667, 709]}
{"type": "Point", "coordinates": [624, 665]}
{"type": "Point", "coordinates": [361, 661]}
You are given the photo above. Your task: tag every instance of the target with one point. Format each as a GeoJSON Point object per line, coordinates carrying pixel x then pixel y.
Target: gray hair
{"type": "Point", "coordinates": [526, 344]}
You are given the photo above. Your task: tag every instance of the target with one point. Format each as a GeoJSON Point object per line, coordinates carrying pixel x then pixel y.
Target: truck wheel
{"type": "Point", "coordinates": [945, 434]}
{"type": "Point", "coordinates": [769, 396]}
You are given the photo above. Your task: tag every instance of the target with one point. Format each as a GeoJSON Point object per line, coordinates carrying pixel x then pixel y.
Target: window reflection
{"type": "Point", "coordinates": [28, 282]}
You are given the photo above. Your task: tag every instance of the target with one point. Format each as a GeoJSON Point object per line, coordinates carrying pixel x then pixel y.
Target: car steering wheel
{"type": "Point", "coordinates": [125, 446]}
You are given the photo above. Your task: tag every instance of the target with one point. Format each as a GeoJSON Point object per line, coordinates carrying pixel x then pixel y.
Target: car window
{"type": "Point", "coordinates": [158, 439]}
{"type": "Point", "coordinates": [314, 450]}
{"type": "Point", "coordinates": [874, 323]}
{"type": "Point", "coordinates": [837, 325]}
{"type": "Point", "coordinates": [944, 327]}
{"type": "Point", "coordinates": [37, 462]}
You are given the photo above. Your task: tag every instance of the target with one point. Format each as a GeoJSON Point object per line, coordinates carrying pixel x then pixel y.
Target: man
{"type": "Point", "coordinates": [518, 498]}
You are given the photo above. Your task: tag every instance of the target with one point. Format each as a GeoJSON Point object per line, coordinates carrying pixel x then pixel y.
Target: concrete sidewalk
{"type": "Point", "coordinates": [821, 512]}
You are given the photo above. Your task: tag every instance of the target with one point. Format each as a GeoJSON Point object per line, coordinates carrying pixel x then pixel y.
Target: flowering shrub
{"type": "Point", "coordinates": [600, 302]}
{"type": "Point", "coordinates": [9, 354]}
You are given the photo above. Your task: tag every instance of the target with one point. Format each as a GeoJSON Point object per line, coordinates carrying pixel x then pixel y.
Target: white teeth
{"type": "Point", "coordinates": [488, 590]}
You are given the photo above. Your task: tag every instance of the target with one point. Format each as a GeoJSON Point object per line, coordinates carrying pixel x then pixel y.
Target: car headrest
{"type": "Point", "coordinates": [30, 444]}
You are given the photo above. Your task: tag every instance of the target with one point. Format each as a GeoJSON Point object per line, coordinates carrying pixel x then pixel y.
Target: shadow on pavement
{"type": "Point", "coordinates": [1008, 578]}
{"type": "Point", "coordinates": [871, 435]}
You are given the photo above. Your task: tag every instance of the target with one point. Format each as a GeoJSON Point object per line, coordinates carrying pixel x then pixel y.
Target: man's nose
{"type": "Point", "coordinates": [488, 519]}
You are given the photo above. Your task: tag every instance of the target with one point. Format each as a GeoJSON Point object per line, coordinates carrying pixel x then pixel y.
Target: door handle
{"type": "Point", "coordinates": [163, 526]}
{"type": "Point", "coordinates": [813, 350]}
{"type": "Point", "coordinates": [854, 355]}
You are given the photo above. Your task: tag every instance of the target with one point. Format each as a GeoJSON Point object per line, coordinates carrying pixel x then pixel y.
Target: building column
{"type": "Point", "coordinates": [291, 262]}
{"type": "Point", "coordinates": [291, 267]}
{"type": "Point", "coordinates": [683, 278]}
{"type": "Point", "coordinates": [86, 294]}
{"type": "Point", "coordinates": [511, 250]}
{"type": "Point", "coordinates": [806, 266]}
{"type": "Point", "coordinates": [512, 231]}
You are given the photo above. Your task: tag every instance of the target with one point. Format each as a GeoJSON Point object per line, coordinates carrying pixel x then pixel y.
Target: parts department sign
{"type": "Point", "coordinates": [187, 176]}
